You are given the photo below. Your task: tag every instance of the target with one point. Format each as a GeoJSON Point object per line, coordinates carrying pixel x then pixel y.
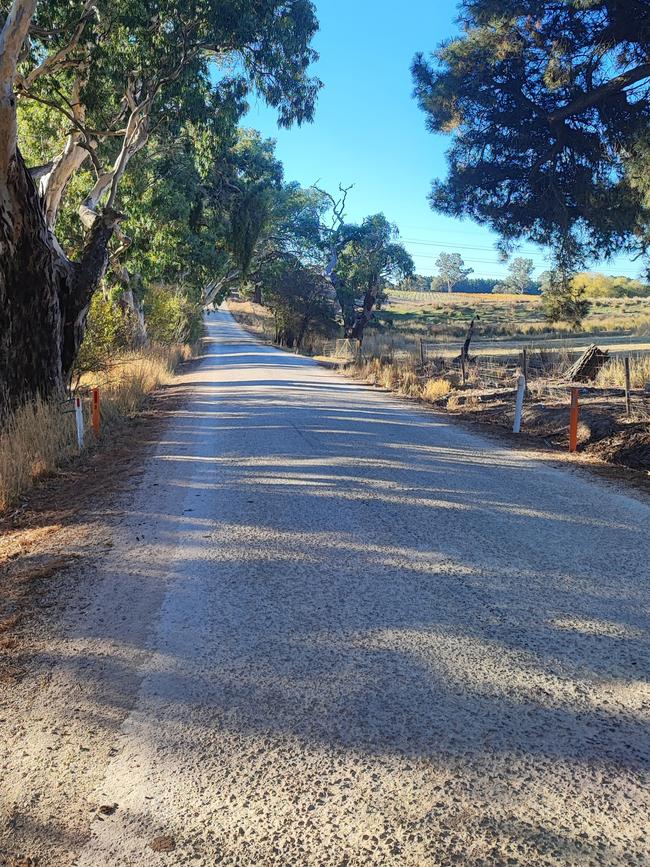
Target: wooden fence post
{"type": "Point", "coordinates": [422, 361]}
{"type": "Point", "coordinates": [95, 412]}
{"type": "Point", "coordinates": [628, 399]}
{"type": "Point", "coordinates": [573, 420]}
{"type": "Point", "coordinates": [463, 369]}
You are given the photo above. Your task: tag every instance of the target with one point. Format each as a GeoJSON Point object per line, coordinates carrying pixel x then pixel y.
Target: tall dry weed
{"type": "Point", "coordinates": [612, 374]}
{"type": "Point", "coordinates": [40, 436]}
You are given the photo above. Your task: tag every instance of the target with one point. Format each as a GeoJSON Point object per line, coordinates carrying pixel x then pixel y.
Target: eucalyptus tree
{"type": "Point", "coordinates": [548, 106]}
{"type": "Point", "coordinates": [108, 74]}
{"type": "Point", "coordinates": [370, 258]}
{"type": "Point", "coordinates": [520, 276]}
{"type": "Point", "coordinates": [267, 219]}
{"type": "Point", "coordinates": [451, 270]}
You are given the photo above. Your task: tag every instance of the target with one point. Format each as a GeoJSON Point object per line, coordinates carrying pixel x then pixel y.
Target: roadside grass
{"type": "Point", "coordinates": [255, 318]}
{"type": "Point", "coordinates": [402, 378]}
{"type": "Point", "coordinates": [434, 389]}
{"type": "Point", "coordinates": [612, 374]}
{"type": "Point", "coordinates": [130, 378]}
{"type": "Point", "coordinates": [40, 437]}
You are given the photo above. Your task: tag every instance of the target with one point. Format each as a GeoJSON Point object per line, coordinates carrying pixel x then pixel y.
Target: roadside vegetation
{"type": "Point", "coordinates": [39, 438]}
{"type": "Point", "coordinates": [606, 431]}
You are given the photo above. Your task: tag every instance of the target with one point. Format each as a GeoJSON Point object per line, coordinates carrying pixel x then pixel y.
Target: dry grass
{"type": "Point", "coordinates": [40, 437]}
{"type": "Point", "coordinates": [36, 439]}
{"type": "Point", "coordinates": [127, 382]}
{"type": "Point", "coordinates": [612, 375]}
{"type": "Point", "coordinates": [401, 377]}
{"type": "Point", "coordinates": [434, 389]}
{"type": "Point", "coordinates": [255, 318]}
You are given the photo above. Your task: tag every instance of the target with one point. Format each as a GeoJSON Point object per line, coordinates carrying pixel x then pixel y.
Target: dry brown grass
{"type": "Point", "coordinates": [612, 375]}
{"type": "Point", "coordinates": [255, 318]}
{"type": "Point", "coordinates": [434, 389]}
{"type": "Point", "coordinates": [37, 438]}
{"type": "Point", "coordinates": [134, 375]}
{"type": "Point", "coordinates": [402, 378]}
{"type": "Point", "coordinates": [40, 437]}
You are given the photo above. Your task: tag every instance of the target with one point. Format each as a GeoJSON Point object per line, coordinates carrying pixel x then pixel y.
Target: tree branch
{"type": "Point", "coordinates": [54, 61]}
{"type": "Point", "coordinates": [586, 100]}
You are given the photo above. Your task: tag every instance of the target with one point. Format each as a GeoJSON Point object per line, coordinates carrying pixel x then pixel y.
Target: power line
{"type": "Point", "coordinates": [455, 246]}
{"type": "Point", "coordinates": [608, 272]}
{"type": "Point", "coordinates": [537, 257]}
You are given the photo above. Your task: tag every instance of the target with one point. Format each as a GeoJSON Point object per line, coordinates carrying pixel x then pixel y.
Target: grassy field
{"type": "Point", "coordinates": [503, 323]}
{"type": "Point", "coordinates": [439, 313]}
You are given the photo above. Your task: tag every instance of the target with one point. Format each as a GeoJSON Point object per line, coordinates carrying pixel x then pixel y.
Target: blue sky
{"type": "Point", "coordinates": [368, 130]}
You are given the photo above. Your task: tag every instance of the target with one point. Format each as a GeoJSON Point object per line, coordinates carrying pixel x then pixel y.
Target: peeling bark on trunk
{"type": "Point", "coordinates": [44, 297]}
{"type": "Point", "coordinates": [52, 185]}
{"type": "Point", "coordinates": [33, 275]}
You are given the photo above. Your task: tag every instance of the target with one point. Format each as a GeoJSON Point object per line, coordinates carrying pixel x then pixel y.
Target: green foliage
{"type": "Point", "coordinates": [603, 286]}
{"type": "Point", "coordinates": [476, 284]}
{"type": "Point", "coordinates": [548, 106]}
{"type": "Point", "coordinates": [451, 270]}
{"type": "Point", "coordinates": [148, 94]}
{"type": "Point", "coordinates": [520, 278]}
{"type": "Point", "coordinates": [415, 283]}
{"type": "Point", "coordinates": [370, 259]}
{"type": "Point", "coordinates": [108, 329]}
{"type": "Point", "coordinates": [301, 301]}
{"type": "Point", "coordinates": [563, 299]}
{"type": "Point", "coordinates": [171, 316]}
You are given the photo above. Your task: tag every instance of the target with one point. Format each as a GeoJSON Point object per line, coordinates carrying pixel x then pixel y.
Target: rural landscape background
{"type": "Point", "coordinates": [324, 432]}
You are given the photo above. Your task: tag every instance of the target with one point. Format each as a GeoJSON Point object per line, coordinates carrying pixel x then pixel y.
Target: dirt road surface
{"type": "Point", "coordinates": [334, 629]}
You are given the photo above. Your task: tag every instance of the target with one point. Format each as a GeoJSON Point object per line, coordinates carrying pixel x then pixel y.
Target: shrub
{"type": "Point", "coordinates": [171, 316]}
{"type": "Point", "coordinates": [434, 389]}
{"type": "Point", "coordinates": [104, 334]}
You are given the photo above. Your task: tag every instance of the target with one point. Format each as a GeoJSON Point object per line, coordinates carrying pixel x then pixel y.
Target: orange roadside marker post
{"type": "Point", "coordinates": [95, 412]}
{"type": "Point", "coordinates": [573, 420]}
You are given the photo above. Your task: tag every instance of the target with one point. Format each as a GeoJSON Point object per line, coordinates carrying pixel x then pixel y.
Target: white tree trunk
{"type": "Point", "coordinates": [12, 36]}
{"type": "Point", "coordinates": [53, 184]}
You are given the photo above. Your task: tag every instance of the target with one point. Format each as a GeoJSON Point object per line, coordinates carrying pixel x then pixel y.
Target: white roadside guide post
{"type": "Point", "coordinates": [79, 418]}
{"type": "Point", "coordinates": [519, 403]}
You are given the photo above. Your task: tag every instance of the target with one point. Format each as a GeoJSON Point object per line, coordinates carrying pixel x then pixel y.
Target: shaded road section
{"type": "Point", "coordinates": [339, 630]}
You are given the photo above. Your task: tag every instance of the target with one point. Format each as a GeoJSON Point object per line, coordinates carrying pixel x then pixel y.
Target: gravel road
{"type": "Point", "coordinates": [336, 629]}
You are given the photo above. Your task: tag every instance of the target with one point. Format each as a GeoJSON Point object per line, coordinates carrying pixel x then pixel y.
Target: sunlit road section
{"type": "Point", "coordinates": [338, 629]}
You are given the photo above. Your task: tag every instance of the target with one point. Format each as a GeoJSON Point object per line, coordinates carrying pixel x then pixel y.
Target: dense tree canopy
{"type": "Point", "coordinates": [370, 258]}
{"type": "Point", "coordinates": [86, 89]}
{"type": "Point", "coordinates": [548, 105]}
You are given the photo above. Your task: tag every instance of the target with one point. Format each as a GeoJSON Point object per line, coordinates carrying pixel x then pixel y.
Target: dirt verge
{"type": "Point", "coordinates": [63, 520]}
